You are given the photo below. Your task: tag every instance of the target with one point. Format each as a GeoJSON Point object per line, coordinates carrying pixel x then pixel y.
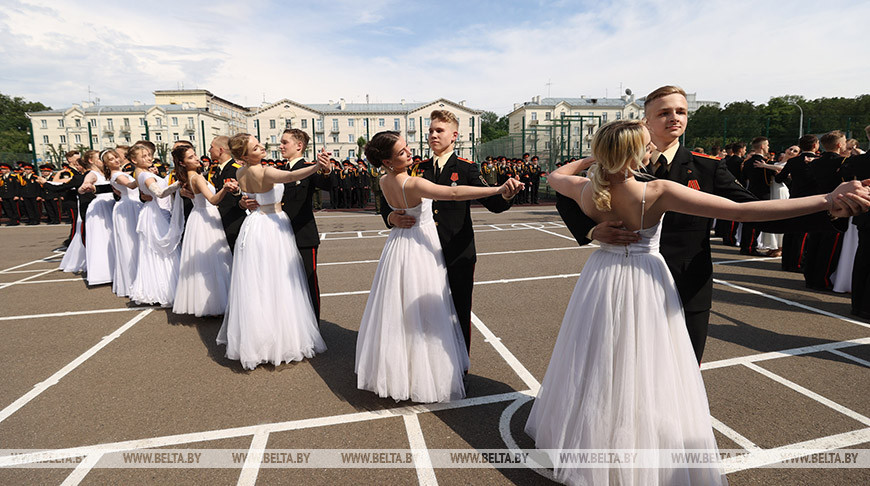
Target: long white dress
{"type": "Point", "coordinates": [74, 257]}
{"type": "Point", "coordinates": [773, 241]}
{"type": "Point", "coordinates": [269, 318]}
{"type": "Point", "coordinates": [159, 235]}
{"type": "Point", "coordinates": [410, 346]}
{"type": "Point", "coordinates": [124, 219]}
{"type": "Point", "coordinates": [623, 374]}
{"type": "Point", "coordinates": [842, 277]}
{"type": "Point", "coordinates": [206, 262]}
{"type": "Point", "coordinates": [100, 246]}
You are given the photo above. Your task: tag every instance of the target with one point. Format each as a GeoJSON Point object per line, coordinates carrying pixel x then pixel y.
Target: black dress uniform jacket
{"type": "Point", "coordinates": [297, 204]}
{"type": "Point", "coordinates": [232, 215]}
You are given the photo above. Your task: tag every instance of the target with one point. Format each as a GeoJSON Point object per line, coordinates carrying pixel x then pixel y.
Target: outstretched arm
{"type": "Point", "coordinates": [126, 181]}
{"type": "Point", "coordinates": [423, 188]}
{"type": "Point", "coordinates": [161, 192]}
{"type": "Point", "coordinates": [202, 187]}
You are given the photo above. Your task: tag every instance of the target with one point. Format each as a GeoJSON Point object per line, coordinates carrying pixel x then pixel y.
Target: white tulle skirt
{"type": "Point", "coordinates": [124, 219]}
{"type": "Point", "coordinates": [99, 240]}
{"type": "Point", "coordinates": [157, 269]}
{"type": "Point", "coordinates": [623, 375]}
{"type": "Point", "coordinates": [74, 259]}
{"type": "Point", "coordinates": [206, 261]}
{"type": "Point", "coordinates": [842, 277]}
{"type": "Point", "coordinates": [269, 318]}
{"type": "Point", "coordinates": [410, 345]}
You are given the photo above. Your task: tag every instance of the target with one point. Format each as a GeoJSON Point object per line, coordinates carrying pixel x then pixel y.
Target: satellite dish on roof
{"type": "Point", "coordinates": [628, 91]}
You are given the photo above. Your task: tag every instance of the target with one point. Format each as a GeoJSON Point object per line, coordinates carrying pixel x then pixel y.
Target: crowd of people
{"type": "Point", "coordinates": [233, 236]}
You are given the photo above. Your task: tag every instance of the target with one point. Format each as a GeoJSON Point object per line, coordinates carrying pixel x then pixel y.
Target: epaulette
{"type": "Point", "coordinates": [706, 156]}
{"type": "Point", "coordinates": [236, 165]}
{"type": "Point", "coordinates": [465, 160]}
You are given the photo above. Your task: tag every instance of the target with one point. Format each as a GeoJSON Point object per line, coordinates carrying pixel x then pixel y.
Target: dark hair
{"type": "Point", "coordinates": [85, 161]}
{"type": "Point", "coordinates": [180, 170]}
{"type": "Point", "coordinates": [807, 143]}
{"type": "Point", "coordinates": [830, 139]}
{"type": "Point", "coordinates": [380, 147]}
{"type": "Point", "coordinates": [757, 141]}
{"type": "Point", "coordinates": [71, 154]}
{"type": "Point", "coordinates": [299, 136]}
{"type": "Point", "coordinates": [147, 144]}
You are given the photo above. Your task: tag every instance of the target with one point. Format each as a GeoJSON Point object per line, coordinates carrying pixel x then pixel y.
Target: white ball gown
{"type": "Point", "coordinates": [623, 374]}
{"type": "Point", "coordinates": [74, 257]}
{"type": "Point", "coordinates": [124, 219]}
{"type": "Point", "coordinates": [410, 346]}
{"type": "Point", "coordinates": [206, 261]}
{"type": "Point", "coordinates": [159, 234]}
{"type": "Point", "coordinates": [269, 318]}
{"type": "Point", "coordinates": [100, 248]}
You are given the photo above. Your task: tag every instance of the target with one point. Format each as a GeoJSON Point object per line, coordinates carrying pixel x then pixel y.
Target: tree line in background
{"type": "Point", "coordinates": [778, 120]}
{"type": "Point", "coordinates": [14, 124]}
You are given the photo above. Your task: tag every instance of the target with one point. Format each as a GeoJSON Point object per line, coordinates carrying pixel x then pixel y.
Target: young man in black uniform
{"type": "Point", "coordinates": [685, 240]}
{"type": "Point", "coordinates": [452, 218]}
{"type": "Point", "coordinates": [232, 215]}
{"type": "Point", "coordinates": [9, 189]}
{"type": "Point", "coordinates": [534, 179]}
{"type": "Point", "coordinates": [858, 167]}
{"type": "Point", "coordinates": [297, 203]}
{"type": "Point", "coordinates": [68, 190]}
{"type": "Point", "coordinates": [31, 191]}
{"type": "Point", "coordinates": [51, 200]}
{"type": "Point", "coordinates": [758, 182]}
{"type": "Point", "coordinates": [800, 184]}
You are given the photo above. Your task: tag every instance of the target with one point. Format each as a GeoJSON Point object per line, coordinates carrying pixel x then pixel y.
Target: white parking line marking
{"type": "Point", "coordinates": [422, 461]}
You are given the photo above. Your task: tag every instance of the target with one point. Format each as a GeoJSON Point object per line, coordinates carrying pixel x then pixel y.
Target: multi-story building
{"type": "Point", "coordinates": [201, 98]}
{"type": "Point", "coordinates": [98, 127]}
{"type": "Point", "coordinates": [338, 126]}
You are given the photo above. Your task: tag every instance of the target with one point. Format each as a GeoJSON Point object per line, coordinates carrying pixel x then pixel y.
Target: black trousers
{"type": "Point", "coordinates": [32, 210]}
{"type": "Point", "coordinates": [792, 251]}
{"type": "Point", "coordinates": [71, 209]}
{"type": "Point", "coordinates": [309, 261]}
{"type": "Point", "coordinates": [535, 192]}
{"type": "Point", "coordinates": [697, 324]}
{"type": "Point", "coordinates": [11, 209]}
{"type": "Point", "coordinates": [820, 259]}
{"type": "Point", "coordinates": [749, 238]}
{"type": "Point", "coordinates": [461, 280]}
{"type": "Point", "coordinates": [861, 276]}
{"type": "Point", "coordinates": [52, 210]}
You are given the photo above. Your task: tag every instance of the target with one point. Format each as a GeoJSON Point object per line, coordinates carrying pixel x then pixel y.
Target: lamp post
{"type": "Point", "coordinates": [801, 129]}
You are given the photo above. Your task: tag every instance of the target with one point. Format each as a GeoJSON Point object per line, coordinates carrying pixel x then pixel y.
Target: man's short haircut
{"type": "Point", "coordinates": [738, 146]}
{"type": "Point", "coordinates": [829, 140]}
{"type": "Point", "coordinates": [299, 136]}
{"type": "Point", "coordinates": [222, 141]}
{"type": "Point", "coordinates": [445, 116]}
{"type": "Point", "coordinates": [71, 154]}
{"type": "Point", "coordinates": [661, 93]}
{"type": "Point", "coordinates": [757, 142]}
{"type": "Point", "coordinates": [807, 143]}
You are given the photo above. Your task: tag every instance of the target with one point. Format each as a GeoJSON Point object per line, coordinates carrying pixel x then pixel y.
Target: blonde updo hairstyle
{"type": "Point", "coordinates": [616, 146]}
{"type": "Point", "coordinates": [239, 145]}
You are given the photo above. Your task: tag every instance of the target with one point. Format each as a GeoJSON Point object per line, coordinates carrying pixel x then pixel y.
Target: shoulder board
{"type": "Point", "coordinates": [706, 156]}
{"type": "Point", "coordinates": [236, 165]}
{"type": "Point", "coordinates": [465, 160]}
{"type": "Point", "coordinates": [308, 163]}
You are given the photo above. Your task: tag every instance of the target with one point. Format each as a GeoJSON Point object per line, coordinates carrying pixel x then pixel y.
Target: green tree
{"type": "Point", "coordinates": [492, 127]}
{"type": "Point", "coordinates": [361, 143]}
{"type": "Point", "coordinates": [14, 124]}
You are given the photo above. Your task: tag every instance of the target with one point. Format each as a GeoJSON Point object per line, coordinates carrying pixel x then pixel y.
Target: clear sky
{"type": "Point", "coordinates": [489, 53]}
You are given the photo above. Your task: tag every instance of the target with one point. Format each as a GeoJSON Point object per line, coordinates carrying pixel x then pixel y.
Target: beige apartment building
{"type": "Point", "coordinates": [338, 125]}
{"type": "Point", "coordinates": [204, 99]}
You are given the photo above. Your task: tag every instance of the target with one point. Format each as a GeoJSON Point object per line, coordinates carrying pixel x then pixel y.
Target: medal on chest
{"type": "Point", "coordinates": [454, 177]}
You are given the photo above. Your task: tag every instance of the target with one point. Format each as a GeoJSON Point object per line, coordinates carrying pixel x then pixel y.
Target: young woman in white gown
{"type": "Point", "coordinates": [623, 374]}
{"type": "Point", "coordinates": [159, 233]}
{"type": "Point", "coordinates": [206, 260]}
{"type": "Point", "coordinates": [269, 318]}
{"type": "Point", "coordinates": [410, 345]}
{"type": "Point", "coordinates": [124, 219]}
{"type": "Point", "coordinates": [99, 245]}
{"type": "Point", "coordinates": [74, 259]}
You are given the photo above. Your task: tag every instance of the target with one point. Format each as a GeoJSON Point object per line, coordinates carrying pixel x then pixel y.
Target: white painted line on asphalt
{"type": "Point", "coordinates": [491, 253]}
{"type": "Point", "coordinates": [504, 429]}
{"type": "Point", "coordinates": [272, 428]}
{"type": "Point", "coordinates": [253, 460]}
{"type": "Point", "coordinates": [53, 379]}
{"type": "Point", "coordinates": [25, 279]}
{"type": "Point", "coordinates": [735, 436]}
{"type": "Point", "coordinates": [422, 461]}
{"type": "Point", "coordinates": [809, 393]}
{"type": "Point", "coordinates": [754, 358]}
{"type": "Point", "coordinates": [82, 470]}
{"type": "Point", "coordinates": [767, 457]}
{"type": "Point", "coordinates": [792, 303]}
{"type": "Point", "coordinates": [58, 280]}
{"type": "Point", "coordinates": [20, 271]}
{"type": "Point", "coordinates": [46, 259]}
{"type": "Point", "coordinates": [505, 353]}
{"type": "Point", "coordinates": [494, 227]}
{"type": "Point", "coordinates": [484, 282]}
{"type": "Point", "coordinates": [728, 262]}
{"type": "Point", "coordinates": [358, 262]}
{"type": "Point", "coordinates": [549, 232]}
{"type": "Point", "coordinates": [341, 294]}
{"type": "Point", "coordinates": [71, 313]}
{"type": "Point", "coordinates": [850, 357]}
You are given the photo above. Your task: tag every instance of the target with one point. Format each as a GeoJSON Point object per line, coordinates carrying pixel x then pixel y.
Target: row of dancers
{"type": "Point", "coordinates": [623, 374]}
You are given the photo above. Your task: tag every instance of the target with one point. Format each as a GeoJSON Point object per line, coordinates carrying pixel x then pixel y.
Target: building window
{"type": "Point", "coordinates": [350, 122]}
{"type": "Point", "coordinates": [577, 131]}
{"type": "Point", "coordinates": [127, 138]}
{"type": "Point", "coordinates": [396, 124]}
{"type": "Point", "coordinates": [110, 124]}
{"type": "Point", "coordinates": [412, 137]}
{"type": "Point", "coordinates": [631, 115]}
{"type": "Point", "coordinates": [45, 139]}
{"type": "Point", "coordinates": [92, 122]}
{"type": "Point", "coordinates": [547, 145]}
{"type": "Point", "coordinates": [319, 138]}
{"type": "Point", "coordinates": [335, 138]}
{"type": "Point", "coordinates": [589, 131]}
{"type": "Point", "coordinates": [320, 125]}
{"type": "Point", "coordinates": [288, 123]}
{"type": "Point", "coordinates": [351, 153]}
{"type": "Point", "coordinates": [337, 153]}
{"type": "Point", "coordinates": [335, 124]}
{"type": "Point", "coordinates": [63, 139]}
{"type": "Point", "coordinates": [534, 116]}
{"type": "Point", "coordinates": [142, 137]}
{"type": "Point", "coordinates": [158, 136]}
{"type": "Point", "coordinates": [273, 139]}
{"type": "Point", "coordinates": [111, 139]}
{"type": "Point", "coordinates": [426, 123]}
{"type": "Point", "coordinates": [304, 123]}
{"type": "Point", "coordinates": [190, 121]}
{"type": "Point", "coordinates": [192, 138]}
{"type": "Point", "coordinates": [576, 145]}
{"type": "Point", "coordinates": [618, 115]}
{"type": "Point", "coordinates": [174, 121]}
{"type": "Point", "coordinates": [410, 124]}
{"type": "Point", "coordinates": [365, 122]}
{"type": "Point", "coordinates": [126, 122]}
{"type": "Point", "coordinates": [78, 138]}
{"type": "Point", "coordinates": [471, 122]}
{"type": "Point", "coordinates": [349, 138]}
{"type": "Point", "coordinates": [470, 137]}
{"type": "Point", "coordinates": [94, 140]}
{"type": "Point", "coordinates": [44, 123]}
{"type": "Point", "coordinates": [142, 123]}
{"type": "Point", "coordinates": [175, 137]}
{"type": "Point", "coordinates": [274, 154]}
{"type": "Point", "coordinates": [381, 122]}
{"type": "Point", "coordinates": [604, 117]}
{"type": "Point", "coordinates": [272, 124]}
{"type": "Point", "coordinates": [60, 123]}
{"type": "Point", "coordinates": [158, 121]}
{"type": "Point", "coordinates": [547, 116]}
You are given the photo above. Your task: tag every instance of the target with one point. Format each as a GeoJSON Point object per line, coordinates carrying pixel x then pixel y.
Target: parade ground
{"type": "Point", "coordinates": [88, 376]}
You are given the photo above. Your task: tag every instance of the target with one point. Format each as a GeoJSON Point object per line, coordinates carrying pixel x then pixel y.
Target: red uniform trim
{"type": "Point", "coordinates": [830, 260]}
